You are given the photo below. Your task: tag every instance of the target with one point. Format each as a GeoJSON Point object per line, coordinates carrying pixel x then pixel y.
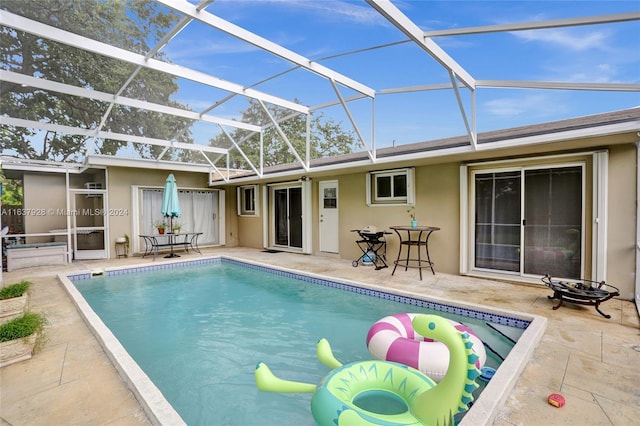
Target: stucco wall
{"type": "Point", "coordinates": [621, 253]}
{"type": "Point", "coordinates": [437, 204]}
{"type": "Point", "coordinates": [121, 181]}
{"type": "Point", "coordinates": [45, 201]}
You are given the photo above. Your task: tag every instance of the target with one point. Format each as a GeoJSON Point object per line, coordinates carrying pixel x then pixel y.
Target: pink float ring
{"type": "Point", "coordinates": [393, 339]}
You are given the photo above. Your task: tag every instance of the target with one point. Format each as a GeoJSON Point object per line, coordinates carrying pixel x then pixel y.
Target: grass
{"type": "Point", "coordinates": [14, 290]}
{"type": "Point", "coordinates": [21, 327]}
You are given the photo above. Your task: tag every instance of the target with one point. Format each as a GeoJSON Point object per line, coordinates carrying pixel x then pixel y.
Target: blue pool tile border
{"type": "Point", "coordinates": [407, 300]}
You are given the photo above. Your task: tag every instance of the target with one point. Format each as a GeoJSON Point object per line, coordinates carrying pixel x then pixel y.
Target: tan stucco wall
{"type": "Point", "coordinates": [45, 201]}
{"type": "Point", "coordinates": [122, 179]}
{"type": "Point", "coordinates": [621, 253]}
{"type": "Point", "coordinates": [437, 204]}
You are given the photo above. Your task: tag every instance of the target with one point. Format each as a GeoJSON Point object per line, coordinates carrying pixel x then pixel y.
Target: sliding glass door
{"type": "Point", "coordinates": [288, 216]}
{"type": "Point", "coordinates": [530, 220]}
{"type": "Point", "coordinates": [497, 227]}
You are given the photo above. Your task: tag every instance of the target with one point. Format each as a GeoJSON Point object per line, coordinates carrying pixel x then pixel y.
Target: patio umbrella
{"type": "Point", "coordinates": [171, 205]}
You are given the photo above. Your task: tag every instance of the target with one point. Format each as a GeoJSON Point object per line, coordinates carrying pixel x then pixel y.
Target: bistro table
{"type": "Point", "coordinates": [414, 237]}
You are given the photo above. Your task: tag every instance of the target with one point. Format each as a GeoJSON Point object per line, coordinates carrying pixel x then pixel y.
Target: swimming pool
{"type": "Point", "coordinates": [225, 356]}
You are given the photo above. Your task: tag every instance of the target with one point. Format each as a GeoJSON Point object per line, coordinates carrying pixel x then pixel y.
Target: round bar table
{"type": "Point", "coordinates": [414, 237]}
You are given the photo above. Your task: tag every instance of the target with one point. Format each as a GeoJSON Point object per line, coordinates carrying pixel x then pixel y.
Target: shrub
{"type": "Point", "coordinates": [23, 326]}
{"type": "Point", "coordinates": [14, 290]}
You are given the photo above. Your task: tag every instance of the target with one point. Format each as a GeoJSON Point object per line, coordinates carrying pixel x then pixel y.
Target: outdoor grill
{"type": "Point", "coordinates": [373, 245]}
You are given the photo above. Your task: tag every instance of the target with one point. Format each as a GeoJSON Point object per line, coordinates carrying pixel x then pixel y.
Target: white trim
{"type": "Point", "coordinates": [307, 217]}
{"type": "Point", "coordinates": [511, 143]}
{"type": "Point", "coordinates": [464, 219]}
{"type": "Point", "coordinates": [409, 173]}
{"type": "Point", "coordinates": [600, 217]}
{"type": "Point", "coordinates": [222, 217]}
{"type": "Point", "coordinates": [637, 278]}
{"type": "Point", "coordinates": [265, 216]}
{"type": "Point", "coordinates": [240, 199]}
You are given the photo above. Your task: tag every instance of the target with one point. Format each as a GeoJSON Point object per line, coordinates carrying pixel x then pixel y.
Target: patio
{"type": "Point", "coordinates": [583, 356]}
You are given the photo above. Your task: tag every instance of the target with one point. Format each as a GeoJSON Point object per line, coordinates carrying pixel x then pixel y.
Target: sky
{"type": "Point", "coordinates": [353, 39]}
{"type": "Point", "coordinates": [330, 28]}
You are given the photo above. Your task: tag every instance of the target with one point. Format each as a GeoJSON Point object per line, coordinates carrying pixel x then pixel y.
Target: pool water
{"type": "Point", "coordinates": [199, 331]}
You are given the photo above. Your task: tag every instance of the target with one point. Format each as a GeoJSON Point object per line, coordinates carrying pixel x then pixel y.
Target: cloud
{"type": "Point", "coordinates": [533, 105]}
{"type": "Point", "coordinates": [336, 10]}
{"type": "Point", "coordinates": [566, 39]}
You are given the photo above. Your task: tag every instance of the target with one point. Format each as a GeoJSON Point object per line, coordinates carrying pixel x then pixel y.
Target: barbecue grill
{"type": "Point", "coordinates": [373, 245]}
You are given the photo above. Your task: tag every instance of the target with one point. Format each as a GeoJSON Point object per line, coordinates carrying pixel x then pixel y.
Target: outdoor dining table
{"type": "Point", "coordinates": [186, 240]}
{"type": "Point", "coordinates": [417, 237]}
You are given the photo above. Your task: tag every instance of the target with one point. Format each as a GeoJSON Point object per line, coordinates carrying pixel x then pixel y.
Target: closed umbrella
{"type": "Point", "coordinates": [171, 205]}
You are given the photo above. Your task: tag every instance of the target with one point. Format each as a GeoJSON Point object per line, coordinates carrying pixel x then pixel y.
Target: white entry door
{"type": "Point", "coordinates": [329, 241]}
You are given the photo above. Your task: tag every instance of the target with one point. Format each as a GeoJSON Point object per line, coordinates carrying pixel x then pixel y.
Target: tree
{"type": "Point", "coordinates": [132, 25]}
{"type": "Point", "coordinates": [327, 137]}
{"type": "Point", "coordinates": [11, 191]}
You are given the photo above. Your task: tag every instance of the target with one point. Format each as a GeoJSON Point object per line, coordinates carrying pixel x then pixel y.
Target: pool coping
{"type": "Point", "coordinates": [159, 410]}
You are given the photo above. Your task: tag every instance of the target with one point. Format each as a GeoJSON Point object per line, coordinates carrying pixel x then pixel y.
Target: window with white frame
{"type": "Point", "coordinates": [248, 200]}
{"type": "Point", "coordinates": [390, 187]}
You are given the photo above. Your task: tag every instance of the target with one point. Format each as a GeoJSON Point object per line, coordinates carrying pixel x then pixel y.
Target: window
{"type": "Point", "coordinates": [390, 187]}
{"type": "Point", "coordinates": [248, 200]}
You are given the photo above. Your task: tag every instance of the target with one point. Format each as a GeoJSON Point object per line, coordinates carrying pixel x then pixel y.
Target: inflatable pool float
{"type": "Point", "coordinates": [393, 338]}
{"type": "Point", "coordinates": [387, 393]}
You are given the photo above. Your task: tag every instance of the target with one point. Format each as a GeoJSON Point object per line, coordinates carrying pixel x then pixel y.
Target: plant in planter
{"type": "Point", "coordinates": [176, 226]}
{"type": "Point", "coordinates": [13, 300]}
{"type": "Point", "coordinates": [161, 225]}
{"type": "Point", "coordinates": [412, 214]}
{"type": "Point", "coordinates": [21, 337]}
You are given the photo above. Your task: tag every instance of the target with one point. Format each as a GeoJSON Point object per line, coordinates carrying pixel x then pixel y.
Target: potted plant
{"type": "Point", "coordinates": [176, 226]}
{"type": "Point", "coordinates": [13, 300]}
{"type": "Point", "coordinates": [161, 225]}
{"type": "Point", "coordinates": [21, 337]}
{"type": "Point", "coordinates": [412, 214]}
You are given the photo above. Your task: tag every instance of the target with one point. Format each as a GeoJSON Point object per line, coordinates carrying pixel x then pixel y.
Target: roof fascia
{"type": "Point", "coordinates": [111, 161]}
{"type": "Point", "coordinates": [120, 100]}
{"type": "Point", "coordinates": [30, 165]}
{"type": "Point", "coordinates": [561, 136]}
{"type": "Point", "coordinates": [42, 30]}
{"type": "Point", "coordinates": [411, 30]}
{"type": "Point", "coordinates": [266, 45]}
{"type": "Point", "coordinates": [537, 25]}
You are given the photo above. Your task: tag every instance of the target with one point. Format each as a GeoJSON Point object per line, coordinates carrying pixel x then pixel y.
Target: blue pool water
{"type": "Point", "coordinates": [199, 331]}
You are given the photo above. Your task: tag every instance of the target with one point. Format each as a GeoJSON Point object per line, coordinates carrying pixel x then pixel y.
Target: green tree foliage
{"type": "Point", "coordinates": [327, 137]}
{"type": "Point", "coordinates": [134, 25]}
{"type": "Point", "coordinates": [11, 191]}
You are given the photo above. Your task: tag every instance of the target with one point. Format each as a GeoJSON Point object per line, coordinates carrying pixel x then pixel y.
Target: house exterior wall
{"type": "Point", "coordinates": [621, 242]}
{"type": "Point", "coordinates": [121, 180]}
{"type": "Point", "coordinates": [437, 200]}
{"type": "Point", "coordinates": [437, 204]}
{"type": "Point", "coordinates": [45, 195]}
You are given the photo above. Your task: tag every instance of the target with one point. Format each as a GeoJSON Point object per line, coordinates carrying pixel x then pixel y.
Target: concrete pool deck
{"type": "Point", "coordinates": [587, 358]}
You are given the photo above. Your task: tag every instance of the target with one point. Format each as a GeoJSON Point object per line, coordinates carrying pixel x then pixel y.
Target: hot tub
{"type": "Point", "coordinates": [21, 256]}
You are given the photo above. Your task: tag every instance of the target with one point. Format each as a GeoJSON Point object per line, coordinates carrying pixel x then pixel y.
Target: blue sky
{"type": "Point", "coordinates": [321, 29]}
